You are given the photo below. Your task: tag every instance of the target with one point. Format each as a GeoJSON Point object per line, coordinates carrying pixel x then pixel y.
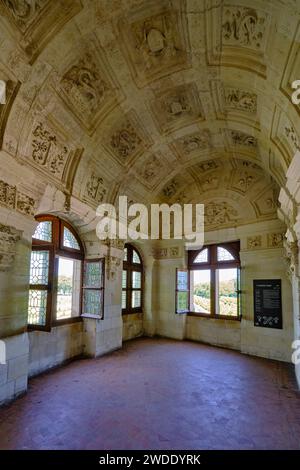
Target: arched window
{"type": "Point", "coordinates": [211, 284]}
{"type": "Point", "coordinates": [59, 287]}
{"type": "Point", "coordinates": [132, 281]}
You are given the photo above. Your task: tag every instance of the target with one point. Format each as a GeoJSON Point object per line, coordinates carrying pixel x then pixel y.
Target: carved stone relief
{"type": "Point", "coordinates": [126, 140]}
{"type": "Point", "coordinates": [9, 236]}
{"type": "Point", "coordinates": [191, 144]}
{"type": "Point", "coordinates": [155, 45]}
{"type": "Point", "coordinates": [209, 182]}
{"type": "Point", "coordinates": [38, 20]}
{"type": "Point", "coordinates": [11, 198]}
{"type": "Point", "coordinates": [275, 240]}
{"type": "Point", "coordinates": [11, 89]}
{"type": "Point", "coordinates": [218, 213]}
{"type": "Point", "coordinates": [242, 139]}
{"type": "Point", "coordinates": [177, 107]}
{"type": "Point", "coordinates": [151, 170]}
{"type": "Point", "coordinates": [170, 189]}
{"type": "Point", "coordinates": [254, 242]}
{"type": "Point", "coordinates": [208, 165]}
{"type": "Point", "coordinates": [47, 151]}
{"type": "Point", "coordinates": [113, 263]}
{"type": "Point", "coordinates": [240, 100]}
{"type": "Point", "coordinates": [88, 87]}
{"type": "Point", "coordinates": [95, 189]}
{"type": "Point", "coordinates": [243, 180]}
{"type": "Point", "coordinates": [243, 27]}
{"type": "Point", "coordinates": [292, 137]}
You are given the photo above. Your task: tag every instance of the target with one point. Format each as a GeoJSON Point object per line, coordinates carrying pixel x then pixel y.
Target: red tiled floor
{"type": "Point", "coordinates": [158, 394]}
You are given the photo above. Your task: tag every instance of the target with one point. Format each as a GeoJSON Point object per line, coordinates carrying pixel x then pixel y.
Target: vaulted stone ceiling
{"type": "Point", "coordinates": [177, 101]}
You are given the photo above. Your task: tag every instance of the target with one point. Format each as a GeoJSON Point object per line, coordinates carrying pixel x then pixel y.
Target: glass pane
{"type": "Point", "coordinates": [92, 302]}
{"type": "Point", "coordinates": [202, 257]}
{"type": "Point", "coordinates": [125, 254]}
{"type": "Point", "coordinates": [182, 280]}
{"type": "Point", "coordinates": [182, 302]}
{"type": "Point", "coordinates": [68, 288]}
{"type": "Point", "coordinates": [124, 297]}
{"type": "Point", "coordinates": [37, 307]}
{"type": "Point", "coordinates": [136, 299]}
{"type": "Point", "coordinates": [39, 267]}
{"type": "Point", "coordinates": [124, 279]}
{"type": "Point", "coordinates": [135, 257]}
{"type": "Point", "coordinates": [69, 240]}
{"type": "Point", "coordinates": [92, 274]}
{"type": "Point", "coordinates": [224, 255]}
{"type": "Point", "coordinates": [43, 231]}
{"type": "Point", "coordinates": [227, 286]}
{"type": "Point", "coordinates": [136, 280]}
{"type": "Point", "coordinates": [200, 290]}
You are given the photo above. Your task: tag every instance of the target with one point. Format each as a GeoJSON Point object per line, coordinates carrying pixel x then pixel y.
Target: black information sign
{"type": "Point", "coordinates": [267, 303]}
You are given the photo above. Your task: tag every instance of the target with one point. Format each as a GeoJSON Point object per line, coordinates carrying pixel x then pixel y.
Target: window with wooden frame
{"type": "Point", "coordinates": [132, 281]}
{"type": "Point", "coordinates": [56, 276]}
{"type": "Point", "coordinates": [213, 282]}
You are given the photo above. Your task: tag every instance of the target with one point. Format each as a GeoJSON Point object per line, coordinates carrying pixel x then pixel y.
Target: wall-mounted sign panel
{"type": "Point", "coordinates": [267, 303]}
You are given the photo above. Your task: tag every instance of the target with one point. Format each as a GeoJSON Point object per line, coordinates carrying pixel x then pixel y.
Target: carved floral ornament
{"type": "Point", "coordinates": [166, 253]}
{"type": "Point", "coordinates": [9, 236]}
{"type": "Point", "coordinates": [291, 254]}
{"type": "Point", "coordinates": [11, 198]}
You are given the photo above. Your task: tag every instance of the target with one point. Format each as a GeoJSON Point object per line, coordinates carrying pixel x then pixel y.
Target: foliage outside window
{"type": "Point", "coordinates": [132, 281]}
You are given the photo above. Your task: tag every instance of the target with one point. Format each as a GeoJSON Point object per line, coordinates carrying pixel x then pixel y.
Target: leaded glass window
{"type": "Point", "coordinates": [132, 281]}
{"type": "Point", "coordinates": [69, 240]}
{"type": "Point", "coordinates": [55, 274]}
{"type": "Point", "coordinates": [93, 296]}
{"type": "Point", "coordinates": [43, 231]}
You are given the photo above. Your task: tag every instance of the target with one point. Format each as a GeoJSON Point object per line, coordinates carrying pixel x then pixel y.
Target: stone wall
{"type": "Point", "coordinates": [132, 326]}
{"type": "Point", "coordinates": [50, 349]}
{"type": "Point", "coordinates": [14, 373]}
{"type": "Point", "coordinates": [262, 257]}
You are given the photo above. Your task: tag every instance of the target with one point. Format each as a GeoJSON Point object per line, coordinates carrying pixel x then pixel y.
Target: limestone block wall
{"type": "Point", "coordinates": [266, 342]}
{"type": "Point", "coordinates": [262, 257]}
{"type": "Point", "coordinates": [14, 372]}
{"type": "Point", "coordinates": [223, 333]}
{"type": "Point", "coordinates": [132, 326]}
{"type": "Point", "coordinates": [49, 349]}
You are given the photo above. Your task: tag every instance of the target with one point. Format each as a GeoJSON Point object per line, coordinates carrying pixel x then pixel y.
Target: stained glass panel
{"type": "Point", "coordinates": [92, 274]}
{"type": "Point", "coordinates": [136, 299]}
{"type": "Point", "coordinates": [39, 267]}
{"type": "Point", "coordinates": [125, 254]}
{"type": "Point", "coordinates": [224, 255]}
{"type": "Point", "coordinates": [202, 257]}
{"type": "Point", "coordinates": [124, 297]}
{"type": "Point", "coordinates": [37, 307]}
{"type": "Point", "coordinates": [69, 240]}
{"type": "Point", "coordinates": [135, 257]}
{"type": "Point", "coordinates": [92, 302]}
{"type": "Point", "coordinates": [136, 280]}
{"type": "Point", "coordinates": [43, 231]}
